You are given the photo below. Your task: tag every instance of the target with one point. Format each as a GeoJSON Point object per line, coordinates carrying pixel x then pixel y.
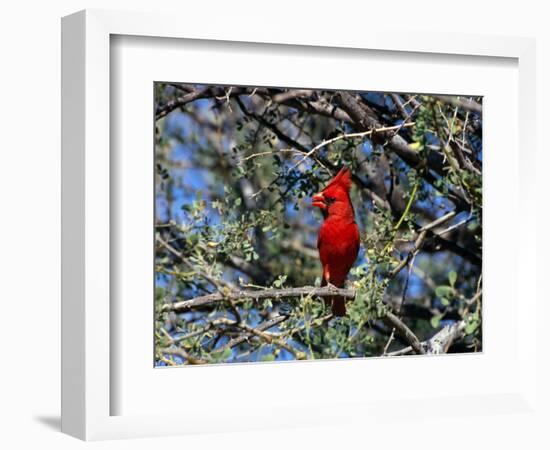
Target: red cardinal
{"type": "Point", "coordinates": [338, 241]}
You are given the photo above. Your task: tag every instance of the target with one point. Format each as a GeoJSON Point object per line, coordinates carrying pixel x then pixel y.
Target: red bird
{"type": "Point", "coordinates": [338, 241]}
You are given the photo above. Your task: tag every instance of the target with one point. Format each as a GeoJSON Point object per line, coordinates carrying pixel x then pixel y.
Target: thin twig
{"type": "Point", "coordinates": [349, 136]}
{"type": "Point", "coordinates": [262, 327]}
{"type": "Point", "coordinates": [444, 218]}
{"type": "Point", "coordinates": [401, 303]}
{"type": "Point", "coordinates": [467, 104]}
{"type": "Point", "coordinates": [271, 152]}
{"type": "Point", "coordinates": [392, 320]}
{"type": "Point", "coordinates": [182, 354]}
{"type": "Point", "coordinates": [455, 226]}
{"type": "Point", "coordinates": [422, 232]}
{"type": "Point", "coordinates": [190, 265]}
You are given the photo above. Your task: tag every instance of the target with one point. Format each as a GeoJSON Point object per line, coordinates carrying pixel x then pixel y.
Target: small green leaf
{"type": "Point", "coordinates": [268, 357]}
{"type": "Point", "coordinates": [192, 239]}
{"type": "Point", "coordinates": [435, 320]}
{"type": "Point", "coordinates": [472, 323]}
{"type": "Point", "coordinates": [452, 277]}
{"type": "Point", "coordinates": [444, 291]}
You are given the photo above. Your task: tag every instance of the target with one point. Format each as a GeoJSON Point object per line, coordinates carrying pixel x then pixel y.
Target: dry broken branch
{"type": "Point", "coordinates": [439, 343]}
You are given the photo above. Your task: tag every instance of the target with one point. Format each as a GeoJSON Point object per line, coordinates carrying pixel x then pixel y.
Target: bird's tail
{"type": "Point", "coordinates": [336, 303]}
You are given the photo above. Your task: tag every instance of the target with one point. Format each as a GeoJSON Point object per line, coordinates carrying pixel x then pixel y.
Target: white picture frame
{"type": "Point", "coordinates": [87, 317]}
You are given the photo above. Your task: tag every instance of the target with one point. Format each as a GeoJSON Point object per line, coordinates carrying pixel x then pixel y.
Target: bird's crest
{"type": "Point", "coordinates": [342, 179]}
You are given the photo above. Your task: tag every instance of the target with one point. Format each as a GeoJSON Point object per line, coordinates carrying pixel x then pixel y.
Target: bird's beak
{"type": "Point", "coordinates": [319, 201]}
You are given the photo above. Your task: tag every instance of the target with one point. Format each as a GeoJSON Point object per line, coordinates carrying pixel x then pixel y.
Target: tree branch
{"type": "Point", "coordinates": [179, 102]}
{"type": "Point", "coordinates": [214, 282]}
{"type": "Point", "coordinates": [259, 331]}
{"type": "Point", "coordinates": [182, 354]}
{"type": "Point", "coordinates": [197, 94]}
{"type": "Point", "coordinates": [299, 148]}
{"type": "Point", "coordinates": [257, 295]}
{"type": "Point", "coordinates": [390, 319]}
{"type": "Point", "coordinates": [469, 104]}
{"type": "Point", "coordinates": [439, 343]}
{"type": "Point", "coordinates": [365, 119]}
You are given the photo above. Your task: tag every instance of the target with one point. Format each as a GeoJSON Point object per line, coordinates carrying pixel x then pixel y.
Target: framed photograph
{"type": "Point", "coordinates": [262, 232]}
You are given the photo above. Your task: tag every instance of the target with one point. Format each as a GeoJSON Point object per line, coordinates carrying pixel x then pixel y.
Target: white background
{"type": "Point", "coordinates": [29, 227]}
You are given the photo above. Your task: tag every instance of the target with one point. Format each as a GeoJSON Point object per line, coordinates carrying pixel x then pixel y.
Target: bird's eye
{"type": "Point", "coordinates": [330, 200]}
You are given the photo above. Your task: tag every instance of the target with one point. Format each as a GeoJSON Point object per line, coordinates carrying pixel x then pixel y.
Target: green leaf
{"type": "Point", "coordinates": [192, 239]}
{"type": "Point", "coordinates": [452, 277]}
{"type": "Point", "coordinates": [444, 291]}
{"type": "Point", "coordinates": [268, 357]}
{"type": "Point", "coordinates": [435, 320]}
{"type": "Point", "coordinates": [472, 323]}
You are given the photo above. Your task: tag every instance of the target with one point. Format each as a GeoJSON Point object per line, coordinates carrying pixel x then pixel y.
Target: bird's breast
{"type": "Point", "coordinates": [338, 240]}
